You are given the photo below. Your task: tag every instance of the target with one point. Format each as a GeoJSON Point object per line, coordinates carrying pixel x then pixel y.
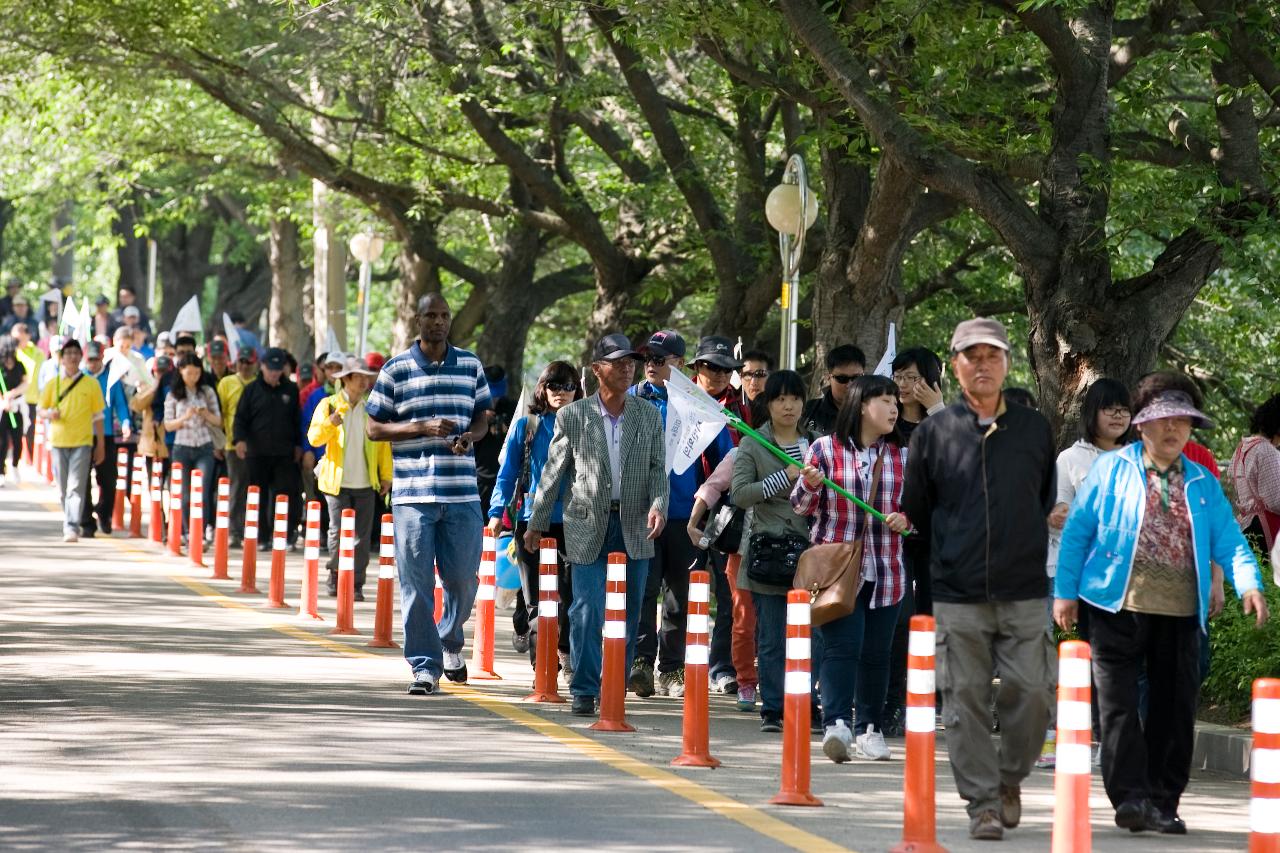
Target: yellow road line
{"type": "Point", "coordinates": [727, 807]}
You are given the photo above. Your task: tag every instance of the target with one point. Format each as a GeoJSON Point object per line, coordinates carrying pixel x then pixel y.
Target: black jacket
{"type": "Point", "coordinates": [819, 415]}
{"type": "Point", "coordinates": [268, 418]}
{"type": "Point", "coordinates": [981, 495]}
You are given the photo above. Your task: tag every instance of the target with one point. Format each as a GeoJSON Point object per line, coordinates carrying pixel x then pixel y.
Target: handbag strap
{"type": "Point", "coordinates": [871, 496]}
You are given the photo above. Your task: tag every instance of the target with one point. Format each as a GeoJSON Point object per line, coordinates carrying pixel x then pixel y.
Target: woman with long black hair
{"type": "Point", "coordinates": [192, 413]}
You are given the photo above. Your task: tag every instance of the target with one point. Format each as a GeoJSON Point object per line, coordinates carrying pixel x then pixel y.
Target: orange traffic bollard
{"type": "Point", "coordinates": [386, 587]}
{"type": "Point", "coordinates": [797, 686]}
{"type": "Point", "coordinates": [221, 529]}
{"type": "Point", "coordinates": [44, 459]}
{"type": "Point", "coordinates": [308, 598]}
{"type": "Point", "coordinates": [919, 810]}
{"type": "Point", "coordinates": [546, 658]}
{"type": "Point", "coordinates": [486, 591]}
{"type": "Point", "coordinates": [249, 558]}
{"type": "Point", "coordinates": [279, 551]}
{"type": "Point", "coordinates": [613, 678]}
{"type": "Point", "coordinates": [696, 751]}
{"type": "Point", "coordinates": [1071, 831]}
{"type": "Point", "coordinates": [1264, 768]}
{"type": "Point", "coordinates": [439, 596]}
{"type": "Point", "coordinates": [26, 452]}
{"type": "Point", "coordinates": [156, 524]}
{"type": "Point", "coordinates": [122, 490]}
{"type": "Point", "coordinates": [175, 509]}
{"type": "Point", "coordinates": [139, 485]}
{"type": "Point", "coordinates": [346, 574]}
{"type": "Point", "coordinates": [195, 529]}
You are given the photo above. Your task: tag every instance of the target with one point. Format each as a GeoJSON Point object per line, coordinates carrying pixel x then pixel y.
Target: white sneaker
{"type": "Point", "coordinates": [871, 745]}
{"type": "Point", "coordinates": [71, 537]}
{"type": "Point", "coordinates": [837, 742]}
{"type": "Point", "coordinates": [452, 660]}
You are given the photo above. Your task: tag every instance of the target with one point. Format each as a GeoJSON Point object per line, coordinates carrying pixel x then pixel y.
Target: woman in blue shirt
{"type": "Point", "coordinates": [525, 453]}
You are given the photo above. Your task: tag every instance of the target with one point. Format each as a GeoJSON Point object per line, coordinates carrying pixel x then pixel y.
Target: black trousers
{"type": "Point", "coordinates": [1152, 760]}
{"type": "Point", "coordinates": [105, 476]}
{"type": "Point", "coordinates": [674, 555]}
{"type": "Point", "coordinates": [10, 440]}
{"type": "Point", "coordinates": [721, 652]}
{"type": "Point", "coordinates": [276, 475]}
{"type": "Point", "coordinates": [524, 619]}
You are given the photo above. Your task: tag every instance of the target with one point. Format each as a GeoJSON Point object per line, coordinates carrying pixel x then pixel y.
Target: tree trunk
{"type": "Point", "coordinates": [63, 238]}
{"type": "Point", "coordinates": [287, 327]}
{"type": "Point", "coordinates": [245, 288]}
{"type": "Point", "coordinates": [329, 273]}
{"type": "Point", "coordinates": [182, 260]}
{"type": "Point", "coordinates": [6, 216]}
{"type": "Point", "coordinates": [131, 253]}
{"type": "Point", "coordinates": [418, 277]}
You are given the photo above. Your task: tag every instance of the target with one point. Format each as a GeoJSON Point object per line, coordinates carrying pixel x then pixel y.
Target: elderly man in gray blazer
{"type": "Point", "coordinates": [610, 449]}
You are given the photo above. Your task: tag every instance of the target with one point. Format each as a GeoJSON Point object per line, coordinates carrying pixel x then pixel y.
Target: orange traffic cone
{"type": "Point", "coordinates": [139, 485]}
{"type": "Point", "coordinates": [919, 812]}
{"type": "Point", "coordinates": [221, 530]}
{"type": "Point", "coordinates": [1264, 805]}
{"type": "Point", "coordinates": [346, 574]}
{"type": "Point", "coordinates": [175, 509]}
{"type": "Point", "coordinates": [613, 678]}
{"type": "Point", "coordinates": [697, 751]}
{"type": "Point", "coordinates": [279, 551]}
{"type": "Point", "coordinates": [547, 660]}
{"type": "Point", "coordinates": [439, 596]}
{"type": "Point", "coordinates": [308, 599]}
{"type": "Point", "coordinates": [156, 524]}
{"type": "Point", "coordinates": [195, 530]}
{"type": "Point", "coordinates": [122, 490]}
{"type": "Point", "coordinates": [482, 642]}
{"type": "Point", "coordinates": [1071, 830]}
{"type": "Point", "coordinates": [794, 790]}
{"type": "Point", "coordinates": [249, 557]}
{"type": "Point", "coordinates": [386, 587]}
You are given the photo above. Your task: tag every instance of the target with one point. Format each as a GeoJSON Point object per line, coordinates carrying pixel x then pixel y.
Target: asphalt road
{"type": "Point", "coordinates": [144, 706]}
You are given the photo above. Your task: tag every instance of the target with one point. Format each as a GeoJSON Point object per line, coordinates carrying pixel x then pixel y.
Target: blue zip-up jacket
{"type": "Point", "coordinates": [512, 461]}
{"type": "Point", "coordinates": [309, 407]}
{"type": "Point", "coordinates": [117, 411]}
{"type": "Point", "coordinates": [1101, 534]}
{"type": "Point", "coordinates": [683, 486]}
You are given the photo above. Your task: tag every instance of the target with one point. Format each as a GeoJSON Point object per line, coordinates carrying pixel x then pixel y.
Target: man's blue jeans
{"type": "Point", "coordinates": [855, 659]}
{"type": "Point", "coordinates": [431, 535]}
{"type": "Point", "coordinates": [586, 614]}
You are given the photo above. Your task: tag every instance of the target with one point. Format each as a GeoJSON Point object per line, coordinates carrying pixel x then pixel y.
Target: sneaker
{"type": "Point", "coordinates": [455, 668]}
{"type": "Point", "coordinates": [724, 683]}
{"type": "Point", "coordinates": [770, 723]}
{"type": "Point", "coordinates": [895, 722]}
{"type": "Point", "coordinates": [641, 681]}
{"type": "Point", "coordinates": [1049, 752]}
{"type": "Point", "coordinates": [746, 698]}
{"type": "Point", "coordinates": [70, 537]}
{"type": "Point", "coordinates": [520, 642]}
{"type": "Point", "coordinates": [836, 742]}
{"type": "Point", "coordinates": [423, 684]}
{"type": "Point", "coordinates": [1010, 805]}
{"type": "Point", "coordinates": [566, 667]}
{"type": "Point", "coordinates": [870, 744]}
{"type": "Point", "coordinates": [1095, 755]}
{"type": "Point", "coordinates": [985, 826]}
{"type": "Point", "coordinates": [583, 706]}
{"type": "Point", "coordinates": [671, 683]}
{"type": "Point", "coordinates": [359, 594]}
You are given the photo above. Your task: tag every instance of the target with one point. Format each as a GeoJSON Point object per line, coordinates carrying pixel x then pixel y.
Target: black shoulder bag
{"type": "Point", "coordinates": [516, 503]}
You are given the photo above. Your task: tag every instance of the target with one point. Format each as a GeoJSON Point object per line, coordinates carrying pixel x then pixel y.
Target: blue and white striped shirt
{"type": "Point", "coordinates": [412, 388]}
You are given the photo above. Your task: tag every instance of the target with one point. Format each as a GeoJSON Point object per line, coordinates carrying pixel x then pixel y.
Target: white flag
{"type": "Point", "coordinates": [69, 318]}
{"type": "Point", "coordinates": [84, 329]}
{"type": "Point", "coordinates": [331, 343]}
{"type": "Point", "coordinates": [233, 336]}
{"type": "Point", "coordinates": [188, 319]}
{"type": "Point", "coordinates": [885, 367]}
{"type": "Point", "coordinates": [118, 367]}
{"type": "Point", "coordinates": [693, 422]}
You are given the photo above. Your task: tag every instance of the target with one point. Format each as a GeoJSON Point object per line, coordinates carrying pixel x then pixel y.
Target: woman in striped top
{"type": "Point", "coordinates": [854, 656]}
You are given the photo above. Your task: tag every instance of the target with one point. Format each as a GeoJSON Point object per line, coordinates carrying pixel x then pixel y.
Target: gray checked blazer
{"type": "Point", "coordinates": [579, 455]}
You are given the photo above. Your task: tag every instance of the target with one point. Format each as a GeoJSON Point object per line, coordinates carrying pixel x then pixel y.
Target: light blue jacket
{"type": "Point", "coordinates": [1101, 534]}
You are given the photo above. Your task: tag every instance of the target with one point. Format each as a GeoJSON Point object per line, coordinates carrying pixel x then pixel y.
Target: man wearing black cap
{"type": "Point", "coordinates": [103, 323]}
{"type": "Point", "coordinates": [980, 485]}
{"type": "Point", "coordinates": [609, 448]}
{"type": "Point", "coordinates": [230, 389]}
{"type": "Point", "coordinates": [219, 361]}
{"type": "Point", "coordinates": [266, 433]}
{"type": "Point", "coordinates": [674, 552]}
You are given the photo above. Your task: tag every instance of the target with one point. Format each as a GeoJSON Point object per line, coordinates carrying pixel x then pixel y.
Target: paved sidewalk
{"type": "Point", "coordinates": [144, 705]}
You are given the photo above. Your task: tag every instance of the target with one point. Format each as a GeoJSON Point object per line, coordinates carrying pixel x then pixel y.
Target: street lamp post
{"type": "Point", "coordinates": [365, 248]}
{"type": "Point", "coordinates": [791, 209]}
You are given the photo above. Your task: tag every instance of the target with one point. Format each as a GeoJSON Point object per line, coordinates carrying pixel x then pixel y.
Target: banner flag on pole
{"type": "Point", "coordinates": [694, 420]}
{"type": "Point", "coordinates": [69, 318]}
{"type": "Point", "coordinates": [118, 367]}
{"type": "Point", "coordinates": [188, 319]}
{"type": "Point", "coordinates": [84, 326]}
{"type": "Point", "coordinates": [233, 336]}
{"type": "Point", "coordinates": [331, 343]}
{"type": "Point", "coordinates": [885, 367]}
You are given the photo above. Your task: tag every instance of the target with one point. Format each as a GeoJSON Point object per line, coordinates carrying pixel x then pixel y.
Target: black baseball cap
{"type": "Point", "coordinates": [665, 343]}
{"type": "Point", "coordinates": [718, 351]}
{"type": "Point", "coordinates": [275, 359]}
{"type": "Point", "coordinates": [163, 363]}
{"type": "Point", "coordinates": [102, 300]}
{"type": "Point", "coordinates": [93, 350]}
{"type": "Point", "coordinates": [185, 340]}
{"type": "Point", "coordinates": [612, 348]}
{"type": "Point", "coordinates": [217, 347]}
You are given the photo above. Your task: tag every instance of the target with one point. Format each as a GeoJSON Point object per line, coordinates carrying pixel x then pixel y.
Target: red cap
{"type": "Point", "coordinates": [375, 360]}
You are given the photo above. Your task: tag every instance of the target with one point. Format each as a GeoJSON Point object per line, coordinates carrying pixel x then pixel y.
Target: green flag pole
{"type": "Point", "coordinates": [13, 421]}
{"type": "Point", "coordinates": [786, 459]}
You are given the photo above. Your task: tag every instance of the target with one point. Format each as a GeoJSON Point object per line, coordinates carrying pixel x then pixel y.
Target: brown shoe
{"type": "Point", "coordinates": [985, 826]}
{"type": "Point", "coordinates": [1010, 805]}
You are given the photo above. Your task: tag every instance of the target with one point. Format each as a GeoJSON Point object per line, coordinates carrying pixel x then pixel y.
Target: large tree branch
{"type": "Point", "coordinates": [759, 79]}
{"type": "Point", "coordinates": [948, 278]}
{"type": "Point", "coordinates": [1150, 35]}
{"type": "Point", "coordinates": [1222, 14]}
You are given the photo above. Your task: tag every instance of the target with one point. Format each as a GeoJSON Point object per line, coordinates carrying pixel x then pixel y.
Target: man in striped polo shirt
{"type": "Point", "coordinates": [430, 402]}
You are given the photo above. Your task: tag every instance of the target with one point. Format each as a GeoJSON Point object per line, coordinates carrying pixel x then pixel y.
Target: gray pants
{"type": "Point", "coordinates": [238, 474]}
{"type": "Point", "coordinates": [71, 470]}
{"type": "Point", "coordinates": [973, 639]}
{"type": "Point", "coordinates": [363, 502]}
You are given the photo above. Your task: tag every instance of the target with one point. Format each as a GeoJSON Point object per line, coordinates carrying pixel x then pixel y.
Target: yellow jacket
{"type": "Point", "coordinates": [323, 433]}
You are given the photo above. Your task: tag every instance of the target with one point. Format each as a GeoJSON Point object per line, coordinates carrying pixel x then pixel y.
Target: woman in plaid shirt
{"type": "Point", "coordinates": [853, 651]}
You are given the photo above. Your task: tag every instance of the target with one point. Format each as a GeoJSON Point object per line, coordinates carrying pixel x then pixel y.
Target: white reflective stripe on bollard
{"type": "Point", "coordinates": [386, 570]}
{"type": "Point", "coordinates": [1264, 766]}
{"type": "Point", "coordinates": [549, 609]}
{"type": "Point", "coordinates": [548, 582]}
{"type": "Point", "coordinates": [547, 557]}
{"type": "Point", "coordinates": [798, 648]}
{"type": "Point", "coordinates": [698, 623]}
{"type": "Point", "coordinates": [1266, 716]}
{"type": "Point", "coordinates": [1264, 816]}
{"type": "Point", "coordinates": [797, 682]}
{"type": "Point", "coordinates": [616, 572]}
{"type": "Point", "coordinates": [699, 592]}
{"type": "Point", "coordinates": [797, 614]}
{"type": "Point", "coordinates": [921, 644]}
{"type": "Point", "coordinates": [615, 601]}
{"type": "Point", "coordinates": [1074, 716]}
{"type": "Point", "coordinates": [921, 720]}
{"type": "Point", "coordinates": [1074, 758]}
{"type": "Point", "coordinates": [387, 551]}
{"type": "Point", "coordinates": [696, 654]}
{"type": "Point", "coordinates": [311, 552]}
{"type": "Point", "coordinates": [485, 592]}
{"type": "Point", "coordinates": [922, 682]}
{"type": "Point", "coordinates": [1073, 672]}
{"type": "Point", "coordinates": [615, 630]}
{"type": "Point", "coordinates": [388, 529]}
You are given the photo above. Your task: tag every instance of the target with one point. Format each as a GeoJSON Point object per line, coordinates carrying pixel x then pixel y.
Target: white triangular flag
{"type": "Point", "coordinates": [84, 326]}
{"type": "Point", "coordinates": [885, 367]}
{"type": "Point", "coordinates": [233, 337]}
{"type": "Point", "coordinates": [68, 318]}
{"type": "Point", "coordinates": [118, 367]}
{"type": "Point", "coordinates": [693, 422]}
{"type": "Point", "coordinates": [188, 319]}
{"type": "Point", "coordinates": [331, 343]}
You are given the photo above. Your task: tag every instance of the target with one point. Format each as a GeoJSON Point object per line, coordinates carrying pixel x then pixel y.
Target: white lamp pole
{"type": "Point", "coordinates": [365, 247]}
{"type": "Point", "coordinates": [791, 209]}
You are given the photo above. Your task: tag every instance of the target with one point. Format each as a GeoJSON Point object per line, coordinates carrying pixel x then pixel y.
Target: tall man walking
{"type": "Point", "coordinates": [610, 448]}
{"type": "Point", "coordinates": [420, 403]}
{"type": "Point", "coordinates": [980, 484]}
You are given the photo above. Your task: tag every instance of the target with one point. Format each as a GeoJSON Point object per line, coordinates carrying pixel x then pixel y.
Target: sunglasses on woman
{"type": "Point", "coordinates": [562, 386]}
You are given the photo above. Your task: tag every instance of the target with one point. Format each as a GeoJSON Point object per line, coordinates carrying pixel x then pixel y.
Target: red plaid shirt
{"type": "Point", "coordinates": [838, 520]}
